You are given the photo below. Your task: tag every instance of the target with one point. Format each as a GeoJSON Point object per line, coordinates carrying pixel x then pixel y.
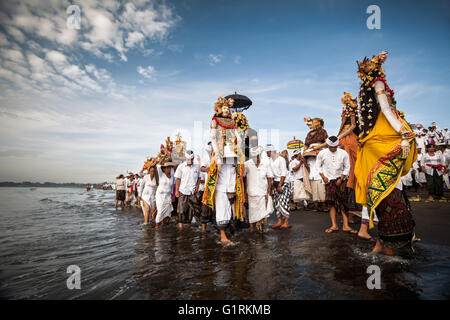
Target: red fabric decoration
{"type": "Point", "coordinates": [385, 84]}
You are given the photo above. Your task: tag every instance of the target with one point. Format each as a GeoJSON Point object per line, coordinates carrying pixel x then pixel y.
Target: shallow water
{"type": "Point", "coordinates": [45, 230]}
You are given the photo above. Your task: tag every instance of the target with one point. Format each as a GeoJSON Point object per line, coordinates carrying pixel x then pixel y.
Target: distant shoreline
{"type": "Point", "coordinates": [44, 185]}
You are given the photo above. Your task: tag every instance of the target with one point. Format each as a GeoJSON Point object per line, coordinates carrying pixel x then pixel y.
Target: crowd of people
{"type": "Point", "coordinates": [375, 156]}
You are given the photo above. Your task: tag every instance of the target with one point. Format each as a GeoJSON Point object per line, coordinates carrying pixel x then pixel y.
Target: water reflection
{"type": "Point", "coordinates": [50, 229]}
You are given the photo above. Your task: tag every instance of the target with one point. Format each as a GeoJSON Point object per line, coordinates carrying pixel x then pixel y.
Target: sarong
{"type": "Point", "coordinates": [396, 225]}
{"type": "Point", "coordinates": [120, 195]}
{"type": "Point", "coordinates": [187, 208]}
{"type": "Point", "coordinates": [435, 184]}
{"type": "Point", "coordinates": [379, 164]}
{"type": "Point", "coordinates": [281, 200]}
{"type": "Point", "coordinates": [224, 212]}
{"type": "Point", "coordinates": [148, 196]}
{"type": "Point", "coordinates": [163, 205]}
{"type": "Point", "coordinates": [300, 193]}
{"type": "Point", "coordinates": [337, 196]}
{"type": "Point", "coordinates": [258, 208]}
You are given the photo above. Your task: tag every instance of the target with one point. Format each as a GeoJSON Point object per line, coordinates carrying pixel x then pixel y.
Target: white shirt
{"type": "Point", "coordinates": [165, 183]}
{"type": "Point", "coordinates": [333, 164]}
{"type": "Point", "coordinates": [226, 180]}
{"type": "Point", "coordinates": [313, 173]}
{"type": "Point", "coordinates": [121, 184]}
{"type": "Point", "coordinates": [189, 176]}
{"type": "Point", "coordinates": [278, 167]}
{"type": "Point", "coordinates": [257, 177]}
{"type": "Point", "coordinates": [438, 158]}
{"type": "Point", "coordinates": [296, 175]}
{"type": "Point", "coordinates": [421, 143]}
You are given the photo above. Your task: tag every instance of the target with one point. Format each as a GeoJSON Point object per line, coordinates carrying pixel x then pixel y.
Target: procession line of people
{"type": "Point", "coordinates": [365, 169]}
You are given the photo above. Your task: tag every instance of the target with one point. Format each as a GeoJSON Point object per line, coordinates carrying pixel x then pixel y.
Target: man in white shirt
{"type": "Point", "coordinates": [296, 169]}
{"type": "Point", "coordinates": [258, 186]}
{"type": "Point", "coordinates": [333, 165]}
{"type": "Point", "coordinates": [281, 187]}
{"type": "Point", "coordinates": [187, 183]}
{"type": "Point", "coordinates": [317, 185]}
{"type": "Point", "coordinates": [121, 187]}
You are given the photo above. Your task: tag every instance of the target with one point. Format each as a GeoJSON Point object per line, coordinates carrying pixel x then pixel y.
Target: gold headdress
{"type": "Point", "coordinates": [347, 98]}
{"type": "Point", "coordinates": [229, 103]}
{"type": "Point", "coordinates": [367, 66]}
{"type": "Point", "coordinates": [218, 104]}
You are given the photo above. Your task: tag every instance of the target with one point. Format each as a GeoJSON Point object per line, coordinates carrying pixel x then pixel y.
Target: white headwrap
{"type": "Point", "coordinates": [255, 151]}
{"type": "Point", "coordinates": [296, 152]}
{"type": "Point", "coordinates": [331, 143]}
{"type": "Point", "coordinates": [189, 155]}
{"type": "Point", "coordinates": [270, 147]}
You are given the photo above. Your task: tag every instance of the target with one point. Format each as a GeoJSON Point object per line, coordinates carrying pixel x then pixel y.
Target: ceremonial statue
{"type": "Point", "coordinates": [316, 136]}
{"type": "Point", "coordinates": [225, 181]}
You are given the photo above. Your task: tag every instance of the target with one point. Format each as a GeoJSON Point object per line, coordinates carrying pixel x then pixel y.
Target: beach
{"type": "Point", "coordinates": [45, 230]}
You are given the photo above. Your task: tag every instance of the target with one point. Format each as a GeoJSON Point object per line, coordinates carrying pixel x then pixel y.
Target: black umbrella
{"type": "Point", "coordinates": [241, 102]}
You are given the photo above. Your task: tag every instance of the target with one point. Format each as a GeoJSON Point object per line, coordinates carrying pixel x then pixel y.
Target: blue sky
{"type": "Point", "coordinates": [88, 104]}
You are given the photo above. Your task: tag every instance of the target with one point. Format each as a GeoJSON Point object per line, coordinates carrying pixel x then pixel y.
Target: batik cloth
{"type": "Point", "coordinates": [337, 196]}
{"type": "Point", "coordinates": [396, 225]}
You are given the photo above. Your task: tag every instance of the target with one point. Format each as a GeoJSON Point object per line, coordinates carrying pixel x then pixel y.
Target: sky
{"type": "Point", "coordinates": [84, 105]}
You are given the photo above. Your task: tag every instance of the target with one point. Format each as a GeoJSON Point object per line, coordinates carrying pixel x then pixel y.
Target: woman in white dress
{"type": "Point", "coordinates": [164, 191]}
{"type": "Point", "coordinates": [149, 185]}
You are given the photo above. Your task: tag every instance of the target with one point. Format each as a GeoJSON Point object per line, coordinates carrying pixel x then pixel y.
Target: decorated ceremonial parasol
{"type": "Point", "coordinates": [295, 144]}
{"type": "Point", "coordinates": [241, 102]}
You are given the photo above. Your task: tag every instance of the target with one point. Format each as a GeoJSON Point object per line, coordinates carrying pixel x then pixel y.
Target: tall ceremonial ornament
{"type": "Point", "coordinates": [387, 146]}
{"type": "Point", "coordinates": [179, 150]}
{"type": "Point", "coordinates": [228, 133]}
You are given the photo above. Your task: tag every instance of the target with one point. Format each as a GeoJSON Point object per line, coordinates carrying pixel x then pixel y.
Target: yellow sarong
{"type": "Point", "coordinates": [211, 181]}
{"type": "Point", "coordinates": [379, 165]}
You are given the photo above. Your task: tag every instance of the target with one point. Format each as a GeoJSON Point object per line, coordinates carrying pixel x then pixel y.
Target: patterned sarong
{"type": "Point", "coordinates": [396, 225]}
{"type": "Point", "coordinates": [337, 196]}
{"type": "Point", "coordinates": [282, 199]}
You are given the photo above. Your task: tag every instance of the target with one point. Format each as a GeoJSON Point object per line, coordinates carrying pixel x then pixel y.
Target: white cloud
{"type": "Point", "coordinates": [214, 59]}
{"type": "Point", "coordinates": [105, 25]}
{"type": "Point", "coordinates": [148, 72]}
